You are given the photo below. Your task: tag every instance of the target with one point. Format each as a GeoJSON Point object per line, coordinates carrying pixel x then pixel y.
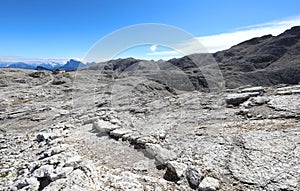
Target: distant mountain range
{"type": "Point", "coordinates": [69, 66]}
{"type": "Point", "coordinates": [266, 60]}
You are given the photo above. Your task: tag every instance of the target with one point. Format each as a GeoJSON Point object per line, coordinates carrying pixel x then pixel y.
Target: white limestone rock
{"type": "Point", "coordinates": [209, 184]}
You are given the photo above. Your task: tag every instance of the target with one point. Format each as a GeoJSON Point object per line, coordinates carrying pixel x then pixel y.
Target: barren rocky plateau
{"type": "Point", "coordinates": [86, 131]}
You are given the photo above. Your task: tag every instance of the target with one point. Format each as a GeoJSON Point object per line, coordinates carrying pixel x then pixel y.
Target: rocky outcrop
{"type": "Point", "coordinates": [47, 163]}
{"type": "Point", "coordinates": [236, 99]}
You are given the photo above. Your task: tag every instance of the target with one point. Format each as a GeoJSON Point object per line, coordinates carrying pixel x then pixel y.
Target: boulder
{"type": "Point", "coordinates": [60, 81]}
{"type": "Point", "coordinates": [255, 101]}
{"type": "Point", "coordinates": [175, 171]}
{"type": "Point", "coordinates": [38, 74]}
{"type": "Point", "coordinates": [259, 100]}
{"type": "Point", "coordinates": [209, 184]}
{"type": "Point", "coordinates": [43, 171]}
{"type": "Point", "coordinates": [118, 133]}
{"type": "Point", "coordinates": [101, 126]}
{"type": "Point", "coordinates": [237, 99]}
{"type": "Point", "coordinates": [161, 155]}
{"type": "Point", "coordinates": [46, 137]}
{"type": "Point", "coordinates": [145, 139]}
{"type": "Point", "coordinates": [194, 177]}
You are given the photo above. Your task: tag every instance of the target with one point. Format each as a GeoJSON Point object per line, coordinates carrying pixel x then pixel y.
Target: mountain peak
{"type": "Point", "coordinates": [294, 31]}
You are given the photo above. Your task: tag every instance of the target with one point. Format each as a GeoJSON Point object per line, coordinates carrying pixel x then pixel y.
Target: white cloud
{"type": "Point", "coordinates": [153, 48]}
{"type": "Point", "coordinates": [163, 53]}
{"type": "Point", "coordinates": [226, 40]}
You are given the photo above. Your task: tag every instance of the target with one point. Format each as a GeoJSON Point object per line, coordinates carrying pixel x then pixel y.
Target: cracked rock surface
{"type": "Point", "coordinates": [92, 132]}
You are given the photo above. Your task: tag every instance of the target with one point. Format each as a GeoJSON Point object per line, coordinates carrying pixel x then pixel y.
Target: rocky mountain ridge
{"type": "Point", "coordinates": [70, 65]}
{"type": "Point", "coordinates": [267, 61]}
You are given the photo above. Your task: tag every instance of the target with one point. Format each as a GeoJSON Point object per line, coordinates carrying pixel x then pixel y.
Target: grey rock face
{"type": "Point", "coordinates": [260, 150]}
{"type": "Point", "coordinates": [285, 103]}
{"type": "Point", "coordinates": [276, 62]}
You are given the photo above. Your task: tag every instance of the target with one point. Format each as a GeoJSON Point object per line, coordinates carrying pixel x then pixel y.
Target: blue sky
{"type": "Point", "coordinates": [69, 28]}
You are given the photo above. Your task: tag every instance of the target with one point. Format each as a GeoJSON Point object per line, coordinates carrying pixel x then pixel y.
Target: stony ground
{"type": "Point", "coordinates": [85, 131]}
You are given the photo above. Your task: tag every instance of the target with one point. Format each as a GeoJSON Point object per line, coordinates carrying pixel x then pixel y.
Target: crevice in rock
{"type": "Point", "coordinates": [44, 181]}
